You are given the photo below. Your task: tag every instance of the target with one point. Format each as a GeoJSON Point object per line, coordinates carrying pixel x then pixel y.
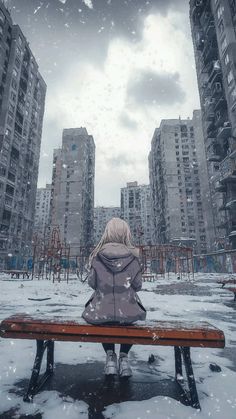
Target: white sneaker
{"type": "Point", "coordinates": [111, 363]}
{"type": "Point", "coordinates": [124, 367]}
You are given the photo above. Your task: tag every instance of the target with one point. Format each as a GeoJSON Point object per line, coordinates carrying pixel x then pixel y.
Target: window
{"type": "Point", "coordinates": [14, 84]}
{"type": "Point", "coordinates": [227, 59]}
{"type": "Point", "coordinates": [18, 51]}
{"type": "Point", "coordinates": [11, 108]}
{"type": "Point", "coordinates": [221, 27]}
{"type": "Point", "coordinates": [220, 11]}
{"type": "Point", "coordinates": [13, 96]}
{"type": "Point", "coordinates": [233, 94]}
{"type": "Point", "coordinates": [9, 120]}
{"type": "Point", "coordinates": [2, 17]}
{"type": "Point", "coordinates": [224, 44]}
{"type": "Point", "coordinates": [15, 72]}
{"type": "Point", "coordinates": [230, 77]}
{"type": "Point", "coordinates": [17, 63]}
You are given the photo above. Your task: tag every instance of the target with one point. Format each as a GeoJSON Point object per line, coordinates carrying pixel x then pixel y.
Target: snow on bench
{"type": "Point", "coordinates": [181, 335]}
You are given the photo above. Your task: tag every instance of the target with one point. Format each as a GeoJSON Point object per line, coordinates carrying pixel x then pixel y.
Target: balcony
{"type": "Point", "coordinates": [222, 207]}
{"type": "Point", "coordinates": [211, 129]}
{"type": "Point", "coordinates": [231, 203]}
{"type": "Point", "coordinates": [210, 28]}
{"type": "Point", "coordinates": [200, 41]}
{"type": "Point", "coordinates": [221, 104]}
{"type": "Point", "coordinates": [232, 230]}
{"type": "Point", "coordinates": [214, 152]}
{"type": "Point", "coordinates": [213, 157]}
{"type": "Point", "coordinates": [228, 170]}
{"type": "Point", "coordinates": [216, 73]}
{"type": "Point", "coordinates": [220, 187]}
{"type": "Point", "coordinates": [209, 112]}
{"type": "Point", "coordinates": [220, 118]}
{"type": "Point", "coordinates": [210, 52]}
{"type": "Point", "coordinates": [197, 8]}
{"type": "Point", "coordinates": [217, 90]}
{"type": "Point", "coordinates": [224, 132]}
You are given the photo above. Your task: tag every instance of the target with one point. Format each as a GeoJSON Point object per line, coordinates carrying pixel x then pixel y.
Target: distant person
{"type": "Point", "coordinates": [115, 275]}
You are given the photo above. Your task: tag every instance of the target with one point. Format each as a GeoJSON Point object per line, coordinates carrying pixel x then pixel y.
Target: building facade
{"type": "Point", "coordinates": [180, 195]}
{"type": "Point", "coordinates": [22, 97]}
{"type": "Point", "coordinates": [72, 198]}
{"type": "Point", "coordinates": [213, 25]}
{"type": "Point", "coordinates": [101, 217]}
{"type": "Point", "coordinates": [136, 211]}
{"type": "Point", "coordinates": [42, 210]}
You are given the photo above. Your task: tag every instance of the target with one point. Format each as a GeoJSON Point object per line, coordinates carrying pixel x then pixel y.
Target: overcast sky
{"type": "Point", "coordinates": [116, 67]}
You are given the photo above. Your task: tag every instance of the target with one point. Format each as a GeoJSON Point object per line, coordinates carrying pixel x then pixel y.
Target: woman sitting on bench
{"type": "Point", "coordinates": [115, 275]}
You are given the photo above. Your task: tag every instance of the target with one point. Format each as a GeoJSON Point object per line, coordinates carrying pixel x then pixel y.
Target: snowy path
{"type": "Point", "coordinates": [80, 389]}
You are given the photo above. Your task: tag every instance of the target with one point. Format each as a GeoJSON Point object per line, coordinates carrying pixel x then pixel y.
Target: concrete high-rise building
{"type": "Point", "coordinates": [72, 199]}
{"type": "Point", "coordinates": [42, 210]}
{"type": "Point", "coordinates": [22, 96]}
{"type": "Point", "coordinates": [180, 196]}
{"type": "Point", "coordinates": [213, 25]}
{"type": "Point", "coordinates": [101, 217]}
{"type": "Point", "coordinates": [136, 211]}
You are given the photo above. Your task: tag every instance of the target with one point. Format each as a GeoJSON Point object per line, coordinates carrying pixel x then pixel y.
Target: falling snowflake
{"type": "Point", "coordinates": [88, 3]}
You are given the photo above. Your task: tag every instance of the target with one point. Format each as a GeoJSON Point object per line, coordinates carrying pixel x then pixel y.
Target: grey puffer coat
{"type": "Point", "coordinates": [115, 276]}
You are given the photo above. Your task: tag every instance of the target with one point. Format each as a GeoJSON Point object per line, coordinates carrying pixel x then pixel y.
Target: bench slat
{"type": "Point", "coordinates": [169, 333]}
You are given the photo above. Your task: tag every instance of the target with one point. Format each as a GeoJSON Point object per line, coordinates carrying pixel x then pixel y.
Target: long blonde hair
{"type": "Point", "coordinates": [116, 231]}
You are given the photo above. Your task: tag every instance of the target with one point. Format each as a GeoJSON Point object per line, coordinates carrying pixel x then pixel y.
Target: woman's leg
{"type": "Point", "coordinates": [124, 367]}
{"type": "Point", "coordinates": [111, 360]}
{"type": "Point", "coordinates": [108, 347]}
{"type": "Point", "coordinates": [125, 348]}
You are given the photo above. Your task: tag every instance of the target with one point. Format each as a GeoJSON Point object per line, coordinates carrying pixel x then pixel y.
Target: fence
{"type": "Point", "coordinates": [223, 261]}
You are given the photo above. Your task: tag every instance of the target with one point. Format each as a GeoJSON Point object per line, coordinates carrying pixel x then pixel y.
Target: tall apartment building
{"type": "Point", "coordinates": [22, 96]}
{"type": "Point", "coordinates": [180, 196]}
{"type": "Point", "coordinates": [101, 217]}
{"type": "Point", "coordinates": [72, 198]}
{"type": "Point", "coordinates": [213, 25]}
{"type": "Point", "coordinates": [136, 211]}
{"type": "Point", "coordinates": [42, 210]}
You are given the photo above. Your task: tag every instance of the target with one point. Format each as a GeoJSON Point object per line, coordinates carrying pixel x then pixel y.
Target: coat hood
{"type": "Point", "coordinates": [115, 256]}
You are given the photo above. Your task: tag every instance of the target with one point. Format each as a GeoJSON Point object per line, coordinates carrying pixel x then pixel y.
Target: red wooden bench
{"type": "Point", "coordinates": [17, 273]}
{"type": "Point", "coordinates": [181, 335]}
{"type": "Point", "coordinates": [148, 277]}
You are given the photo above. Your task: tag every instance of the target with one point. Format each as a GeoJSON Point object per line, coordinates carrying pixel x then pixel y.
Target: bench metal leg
{"type": "Point", "coordinates": [36, 383]}
{"type": "Point", "coordinates": [178, 363]}
{"type": "Point", "coordinates": [183, 354]}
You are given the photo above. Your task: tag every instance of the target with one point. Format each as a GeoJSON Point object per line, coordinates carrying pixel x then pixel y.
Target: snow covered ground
{"type": "Point", "coordinates": [198, 300]}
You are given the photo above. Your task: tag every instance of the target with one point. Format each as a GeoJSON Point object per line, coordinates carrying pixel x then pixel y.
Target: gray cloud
{"type": "Point", "coordinates": [76, 29]}
{"type": "Point", "coordinates": [127, 122]}
{"type": "Point", "coordinates": [149, 88]}
{"type": "Point", "coordinates": [119, 161]}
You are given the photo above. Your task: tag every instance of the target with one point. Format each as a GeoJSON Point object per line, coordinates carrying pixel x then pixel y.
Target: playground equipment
{"type": "Point", "coordinates": [163, 259]}
{"type": "Point", "coordinates": [51, 256]}
{"type": "Point", "coordinates": [52, 259]}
